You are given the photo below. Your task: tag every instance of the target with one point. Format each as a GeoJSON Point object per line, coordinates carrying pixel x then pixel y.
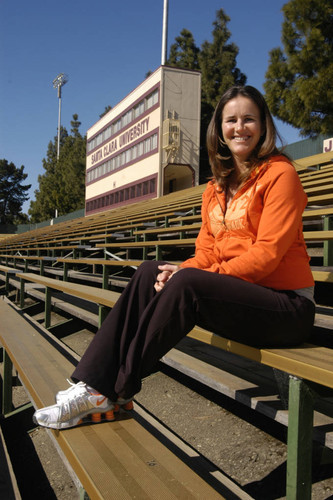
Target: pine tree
{"type": "Point", "coordinates": [12, 192]}
{"type": "Point", "coordinates": [217, 62]}
{"type": "Point", "coordinates": [62, 186]}
{"type": "Point", "coordinates": [299, 78]}
{"type": "Point", "coordinates": [184, 53]}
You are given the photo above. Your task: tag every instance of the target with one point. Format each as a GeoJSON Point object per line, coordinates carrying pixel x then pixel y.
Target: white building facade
{"type": "Point", "coordinates": [148, 144]}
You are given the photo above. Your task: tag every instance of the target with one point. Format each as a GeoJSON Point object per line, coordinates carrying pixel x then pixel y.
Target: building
{"type": "Point", "coordinates": [148, 144]}
{"type": "Point", "coordinates": [322, 143]}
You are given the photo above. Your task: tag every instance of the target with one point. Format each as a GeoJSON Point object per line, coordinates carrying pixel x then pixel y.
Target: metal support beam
{"type": "Point", "coordinates": [328, 245]}
{"type": "Point", "coordinates": [103, 311]}
{"type": "Point", "coordinates": [41, 267]}
{"type": "Point", "coordinates": [47, 315]}
{"type": "Point", "coordinates": [300, 430]}
{"type": "Point", "coordinates": [106, 273]}
{"type": "Point", "coordinates": [22, 292]}
{"type": "Point", "coordinates": [66, 266]}
{"type": "Point", "coordinates": [7, 384]}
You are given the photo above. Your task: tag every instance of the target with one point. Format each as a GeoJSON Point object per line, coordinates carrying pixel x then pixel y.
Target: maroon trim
{"type": "Point", "coordinates": [123, 201]}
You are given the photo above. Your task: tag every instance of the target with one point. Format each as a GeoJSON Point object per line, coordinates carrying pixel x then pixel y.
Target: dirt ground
{"type": "Point", "coordinates": [249, 448]}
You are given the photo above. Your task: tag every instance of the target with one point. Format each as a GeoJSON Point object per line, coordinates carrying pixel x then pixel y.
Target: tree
{"type": "Point", "coordinates": [12, 192]}
{"type": "Point", "coordinates": [106, 110]}
{"type": "Point", "coordinates": [299, 78]}
{"type": "Point", "coordinates": [62, 186]}
{"type": "Point", "coordinates": [184, 53]}
{"type": "Point", "coordinates": [217, 62]}
{"type": "Point", "coordinates": [219, 71]}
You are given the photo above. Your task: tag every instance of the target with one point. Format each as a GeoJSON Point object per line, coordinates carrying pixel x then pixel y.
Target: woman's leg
{"type": "Point", "coordinates": [107, 351]}
{"type": "Point", "coordinates": [144, 325]}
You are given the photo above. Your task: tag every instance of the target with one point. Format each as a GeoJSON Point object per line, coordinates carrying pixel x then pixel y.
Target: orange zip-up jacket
{"type": "Point", "coordinates": [259, 238]}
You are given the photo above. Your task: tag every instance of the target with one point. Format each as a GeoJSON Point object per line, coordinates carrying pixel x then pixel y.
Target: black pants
{"type": "Point", "coordinates": [145, 325]}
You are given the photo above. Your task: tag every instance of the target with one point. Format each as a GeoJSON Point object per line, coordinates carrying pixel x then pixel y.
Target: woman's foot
{"type": "Point", "coordinates": [80, 387]}
{"type": "Point", "coordinates": [126, 404]}
{"type": "Point", "coordinates": [70, 411]}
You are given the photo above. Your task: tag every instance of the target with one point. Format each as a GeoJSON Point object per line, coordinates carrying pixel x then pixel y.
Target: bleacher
{"type": "Point", "coordinates": [92, 258]}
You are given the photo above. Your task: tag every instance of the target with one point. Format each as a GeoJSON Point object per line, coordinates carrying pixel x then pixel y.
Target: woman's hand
{"type": "Point", "coordinates": [168, 270]}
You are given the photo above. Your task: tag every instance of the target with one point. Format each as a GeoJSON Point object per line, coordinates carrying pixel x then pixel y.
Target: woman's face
{"type": "Point", "coordinates": [241, 127]}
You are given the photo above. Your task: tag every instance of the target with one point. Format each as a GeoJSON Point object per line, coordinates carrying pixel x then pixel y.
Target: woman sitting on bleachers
{"type": "Point", "coordinates": [249, 280]}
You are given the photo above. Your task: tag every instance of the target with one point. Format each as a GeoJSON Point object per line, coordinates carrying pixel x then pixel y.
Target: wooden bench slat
{"type": "Point", "coordinates": [133, 244]}
{"type": "Point", "coordinates": [318, 235]}
{"type": "Point", "coordinates": [310, 362]}
{"type": "Point", "coordinates": [103, 297]}
{"type": "Point", "coordinates": [102, 262]}
{"type": "Point", "coordinates": [112, 460]}
{"type": "Point", "coordinates": [307, 361]}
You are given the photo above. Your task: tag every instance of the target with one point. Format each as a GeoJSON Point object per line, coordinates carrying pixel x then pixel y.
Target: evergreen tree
{"type": "Point", "coordinates": [184, 53]}
{"type": "Point", "coordinates": [219, 71]}
{"type": "Point", "coordinates": [62, 186]}
{"type": "Point", "coordinates": [217, 62]}
{"type": "Point", "coordinates": [298, 80]}
{"type": "Point", "coordinates": [12, 192]}
{"type": "Point", "coordinates": [106, 110]}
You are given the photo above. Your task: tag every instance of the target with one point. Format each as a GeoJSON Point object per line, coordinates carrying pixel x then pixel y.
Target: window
{"type": "Point", "coordinates": [147, 145]}
{"type": "Point", "coordinates": [133, 153]}
{"type": "Point", "coordinates": [124, 120]}
{"type": "Point", "coordinates": [139, 109]}
{"type": "Point", "coordinates": [152, 99]}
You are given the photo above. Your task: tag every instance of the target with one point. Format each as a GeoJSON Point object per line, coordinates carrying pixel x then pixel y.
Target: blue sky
{"type": "Point", "coordinates": [106, 48]}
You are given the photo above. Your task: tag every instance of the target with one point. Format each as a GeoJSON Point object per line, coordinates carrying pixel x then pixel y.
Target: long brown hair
{"type": "Point", "coordinates": [219, 154]}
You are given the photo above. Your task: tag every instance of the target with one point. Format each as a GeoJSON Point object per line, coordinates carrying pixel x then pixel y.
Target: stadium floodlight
{"type": "Point", "coordinates": [59, 82]}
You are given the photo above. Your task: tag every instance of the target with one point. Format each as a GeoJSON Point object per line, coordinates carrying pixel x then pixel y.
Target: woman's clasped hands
{"type": "Point", "coordinates": [167, 271]}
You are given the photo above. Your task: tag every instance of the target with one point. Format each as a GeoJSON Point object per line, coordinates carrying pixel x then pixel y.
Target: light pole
{"type": "Point", "coordinates": [58, 82]}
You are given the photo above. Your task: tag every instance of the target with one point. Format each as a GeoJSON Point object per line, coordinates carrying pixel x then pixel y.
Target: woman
{"type": "Point", "coordinates": [249, 280]}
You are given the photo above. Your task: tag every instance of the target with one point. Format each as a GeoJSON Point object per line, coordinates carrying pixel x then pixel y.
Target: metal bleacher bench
{"type": "Point", "coordinates": [110, 460]}
{"type": "Point", "coordinates": [307, 366]}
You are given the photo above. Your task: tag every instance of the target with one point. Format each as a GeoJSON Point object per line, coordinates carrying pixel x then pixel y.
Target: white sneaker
{"type": "Point", "coordinates": [71, 411]}
{"type": "Point", "coordinates": [78, 388]}
{"type": "Point", "coordinates": [81, 387]}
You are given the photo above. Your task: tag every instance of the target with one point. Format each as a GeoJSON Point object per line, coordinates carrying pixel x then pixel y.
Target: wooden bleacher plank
{"type": "Point", "coordinates": [256, 392]}
{"type": "Point", "coordinates": [112, 459]}
{"type": "Point", "coordinates": [321, 200]}
{"type": "Point", "coordinates": [320, 212]}
{"type": "Point", "coordinates": [133, 244]}
{"type": "Point", "coordinates": [92, 294]}
{"type": "Point", "coordinates": [318, 235]}
{"type": "Point", "coordinates": [323, 276]}
{"type": "Point", "coordinates": [310, 362]}
{"type": "Point", "coordinates": [312, 161]}
{"type": "Point", "coordinates": [319, 190]}
{"type": "Point", "coordinates": [323, 179]}
{"type": "Point", "coordinates": [100, 262]}
{"type": "Point", "coordinates": [169, 229]}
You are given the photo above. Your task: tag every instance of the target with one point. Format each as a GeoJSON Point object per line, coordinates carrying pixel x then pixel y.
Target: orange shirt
{"type": "Point", "coordinates": [259, 238]}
